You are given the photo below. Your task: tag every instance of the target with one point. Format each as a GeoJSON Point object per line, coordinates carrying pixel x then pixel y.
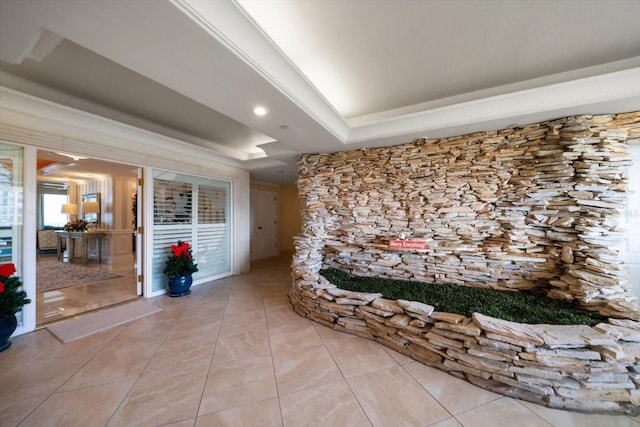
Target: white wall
{"type": "Point", "coordinates": [103, 186]}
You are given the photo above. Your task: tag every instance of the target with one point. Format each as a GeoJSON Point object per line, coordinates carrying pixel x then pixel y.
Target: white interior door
{"type": "Point", "coordinates": [263, 224]}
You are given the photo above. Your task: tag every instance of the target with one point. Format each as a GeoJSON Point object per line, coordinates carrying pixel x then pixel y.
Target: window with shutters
{"type": "Point", "coordinates": [196, 210]}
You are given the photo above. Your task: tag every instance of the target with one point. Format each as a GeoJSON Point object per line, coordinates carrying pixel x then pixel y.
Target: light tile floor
{"type": "Point", "coordinates": [233, 353]}
{"type": "Point", "coordinates": [57, 304]}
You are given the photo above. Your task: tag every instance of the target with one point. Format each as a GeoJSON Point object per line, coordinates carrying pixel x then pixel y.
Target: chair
{"type": "Point", "coordinates": [47, 241]}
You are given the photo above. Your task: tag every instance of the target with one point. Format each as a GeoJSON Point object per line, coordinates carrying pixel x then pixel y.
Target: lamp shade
{"type": "Point", "coordinates": [90, 207]}
{"type": "Point", "coordinates": [69, 209]}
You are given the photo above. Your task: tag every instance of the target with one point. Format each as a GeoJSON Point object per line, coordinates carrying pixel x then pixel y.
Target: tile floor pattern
{"type": "Point", "coordinates": [234, 354]}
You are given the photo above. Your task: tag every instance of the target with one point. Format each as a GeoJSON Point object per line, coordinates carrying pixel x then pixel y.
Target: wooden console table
{"type": "Point", "coordinates": [85, 237]}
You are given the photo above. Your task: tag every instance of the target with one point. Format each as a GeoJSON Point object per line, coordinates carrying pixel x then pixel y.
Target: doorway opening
{"type": "Point", "coordinates": [264, 232]}
{"type": "Point", "coordinates": [80, 270]}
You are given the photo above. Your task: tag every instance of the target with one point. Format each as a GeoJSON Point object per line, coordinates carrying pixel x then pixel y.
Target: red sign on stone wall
{"type": "Point", "coordinates": [407, 244]}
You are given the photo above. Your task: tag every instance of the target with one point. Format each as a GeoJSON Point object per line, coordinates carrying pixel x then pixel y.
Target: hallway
{"type": "Point", "coordinates": [234, 353]}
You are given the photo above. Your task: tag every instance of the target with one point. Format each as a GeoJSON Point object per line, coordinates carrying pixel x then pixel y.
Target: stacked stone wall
{"type": "Point", "coordinates": [520, 208]}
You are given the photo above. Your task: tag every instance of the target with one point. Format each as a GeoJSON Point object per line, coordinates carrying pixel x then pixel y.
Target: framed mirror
{"type": "Point", "coordinates": [91, 209]}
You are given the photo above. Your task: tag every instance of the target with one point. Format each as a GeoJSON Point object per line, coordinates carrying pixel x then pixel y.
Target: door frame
{"type": "Point", "coordinates": [28, 254]}
{"type": "Point", "coordinates": [273, 190]}
{"type": "Point", "coordinates": [140, 229]}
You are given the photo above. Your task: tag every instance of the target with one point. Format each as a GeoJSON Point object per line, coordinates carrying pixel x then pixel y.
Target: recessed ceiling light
{"type": "Point", "coordinates": [259, 110]}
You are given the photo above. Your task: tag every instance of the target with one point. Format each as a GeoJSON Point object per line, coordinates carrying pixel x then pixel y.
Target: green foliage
{"type": "Point", "coordinates": [523, 307]}
{"type": "Point", "coordinates": [77, 225]}
{"type": "Point", "coordinates": [12, 298]}
{"type": "Point", "coordinates": [180, 261]}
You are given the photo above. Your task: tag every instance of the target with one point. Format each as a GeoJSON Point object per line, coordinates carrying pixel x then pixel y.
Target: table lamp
{"type": "Point", "coordinates": [91, 208]}
{"type": "Point", "coordinates": [69, 209]}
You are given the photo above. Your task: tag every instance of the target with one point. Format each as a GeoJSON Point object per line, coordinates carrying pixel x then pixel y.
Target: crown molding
{"type": "Point", "coordinates": [608, 93]}
{"type": "Point", "coordinates": [524, 102]}
{"type": "Point", "coordinates": [34, 121]}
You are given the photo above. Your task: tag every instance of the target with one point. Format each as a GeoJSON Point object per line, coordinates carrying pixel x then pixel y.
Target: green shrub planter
{"type": "Point", "coordinates": [522, 307]}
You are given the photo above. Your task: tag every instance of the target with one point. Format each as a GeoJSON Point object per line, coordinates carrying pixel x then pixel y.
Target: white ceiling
{"type": "Point", "coordinates": [335, 75]}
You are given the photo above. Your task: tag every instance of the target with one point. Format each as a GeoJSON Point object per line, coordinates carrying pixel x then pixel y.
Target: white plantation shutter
{"type": "Point", "coordinates": [172, 202]}
{"type": "Point", "coordinates": [213, 246]}
{"type": "Point", "coordinates": [195, 210]}
{"type": "Point", "coordinates": [163, 238]}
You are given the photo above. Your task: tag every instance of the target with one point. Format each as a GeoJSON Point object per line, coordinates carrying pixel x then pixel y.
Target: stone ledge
{"type": "Point", "coordinates": [573, 367]}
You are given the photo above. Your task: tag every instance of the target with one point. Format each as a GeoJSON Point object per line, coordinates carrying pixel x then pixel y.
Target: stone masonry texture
{"type": "Point", "coordinates": [526, 207]}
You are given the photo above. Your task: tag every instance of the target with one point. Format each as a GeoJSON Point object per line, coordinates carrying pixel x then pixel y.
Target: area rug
{"type": "Point", "coordinates": [98, 321]}
{"type": "Point", "coordinates": [52, 274]}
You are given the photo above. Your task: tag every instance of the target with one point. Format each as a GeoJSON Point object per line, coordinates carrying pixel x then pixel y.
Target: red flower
{"type": "Point", "coordinates": [185, 249]}
{"type": "Point", "coordinates": [180, 261]}
{"type": "Point", "coordinates": [177, 250]}
{"type": "Point", "coordinates": [7, 270]}
{"type": "Point", "coordinates": [1, 287]}
{"type": "Point", "coordinates": [182, 249]}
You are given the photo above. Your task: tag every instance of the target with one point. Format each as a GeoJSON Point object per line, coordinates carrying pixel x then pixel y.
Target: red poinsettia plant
{"type": "Point", "coordinates": [12, 297]}
{"type": "Point", "coordinates": [180, 262]}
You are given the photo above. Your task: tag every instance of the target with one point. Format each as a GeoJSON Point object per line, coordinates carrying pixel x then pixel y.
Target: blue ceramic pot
{"type": "Point", "coordinates": [8, 324]}
{"type": "Point", "coordinates": [179, 286]}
